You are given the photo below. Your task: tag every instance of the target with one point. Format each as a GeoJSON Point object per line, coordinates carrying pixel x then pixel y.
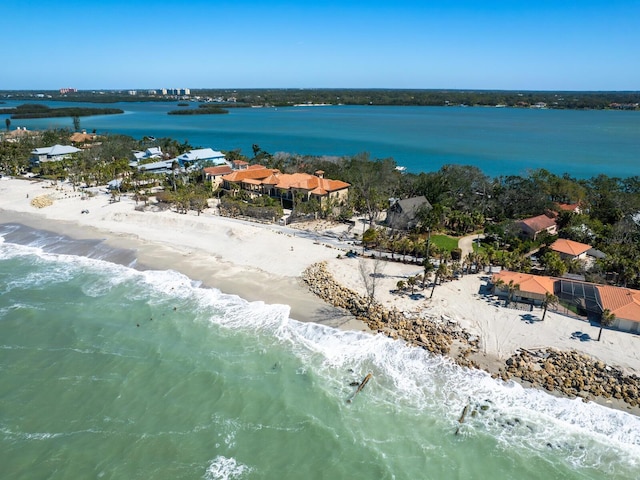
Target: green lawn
{"type": "Point", "coordinates": [444, 242]}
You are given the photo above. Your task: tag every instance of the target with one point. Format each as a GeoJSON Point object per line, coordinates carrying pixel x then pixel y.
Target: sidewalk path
{"type": "Point", "coordinates": [466, 243]}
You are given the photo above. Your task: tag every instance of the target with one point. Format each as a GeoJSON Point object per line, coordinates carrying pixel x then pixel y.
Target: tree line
{"type": "Point", "coordinates": [398, 97]}
{"type": "Point", "coordinates": [29, 110]}
{"type": "Point", "coordinates": [463, 200]}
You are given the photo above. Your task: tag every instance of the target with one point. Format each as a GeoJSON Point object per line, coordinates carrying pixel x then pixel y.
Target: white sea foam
{"type": "Point", "coordinates": [586, 434]}
{"type": "Point", "coordinates": [8, 434]}
{"type": "Point", "coordinates": [223, 468]}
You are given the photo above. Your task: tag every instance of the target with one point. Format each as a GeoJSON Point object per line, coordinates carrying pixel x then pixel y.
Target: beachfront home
{"type": "Point", "coordinates": [201, 155]}
{"type": "Point", "coordinates": [186, 161]}
{"type": "Point", "coordinates": [405, 214]}
{"type": "Point", "coordinates": [52, 154]}
{"type": "Point", "coordinates": [529, 288]}
{"type": "Point", "coordinates": [591, 299]}
{"type": "Point", "coordinates": [258, 180]}
{"type": "Point", "coordinates": [160, 167]}
{"type": "Point", "coordinates": [148, 154]}
{"type": "Point", "coordinates": [624, 303]}
{"type": "Point", "coordinates": [215, 174]}
{"type": "Point", "coordinates": [534, 226]}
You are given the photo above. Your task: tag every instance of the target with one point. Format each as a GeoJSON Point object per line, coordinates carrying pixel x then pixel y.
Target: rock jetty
{"type": "Point", "coordinates": [572, 374]}
{"type": "Point", "coordinates": [438, 336]}
{"type": "Point", "coordinates": [568, 372]}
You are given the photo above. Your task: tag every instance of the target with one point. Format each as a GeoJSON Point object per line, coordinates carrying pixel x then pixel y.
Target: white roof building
{"type": "Point", "coordinates": [151, 152]}
{"type": "Point", "coordinates": [52, 154]}
{"type": "Point", "coordinates": [163, 166]}
{"type": "Point", "coordinates": [200, 155]}
{"type": "Point", "coordinates": [192, 157]}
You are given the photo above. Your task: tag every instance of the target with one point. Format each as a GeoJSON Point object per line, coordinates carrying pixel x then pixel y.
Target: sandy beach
{"type": "Point", "coordinates": [263, 263]}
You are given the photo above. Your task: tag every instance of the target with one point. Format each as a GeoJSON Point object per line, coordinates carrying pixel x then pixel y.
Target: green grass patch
{"type": "Point", "coordinates": [478, 247]}
{"type": "Point", "coordinates": [444, 242]}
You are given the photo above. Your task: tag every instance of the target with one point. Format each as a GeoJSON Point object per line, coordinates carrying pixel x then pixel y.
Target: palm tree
{"type": "Point", "coordinates": [7, 122]}
{"type": "Point", "coordinates": [428, 267]}
{"type": "Point", "coordinates": [469, 260]}
{"type": "Point", "coordinates": [512, 288]}
{"type": "Point", "coordinates": [405, 246]}
{"type": "Point", "coordinates": [490, 253]}
{"type": "Point", "coordinates": [481, 261]}
{"type": "Point", "coordinates": [411, 281]}
{"type": "Point", "coordinates": [441, 272]}
{"type": "Point", "coordinates": [606, 319]}
{"type": "Point", "coordinates": [549, 299]}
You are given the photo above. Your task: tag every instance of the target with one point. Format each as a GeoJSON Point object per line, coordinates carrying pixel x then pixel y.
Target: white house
{"type": "Point", "coordinates": [201, 155]}
{"type": "Point", "coordinates": [162, 166]}
{"type": "Point", "coordinates": [188, 160]}
{"type": "Point", "coordinates": [151, 152]}
{"type": "Point", "coordinates": [52, 154]}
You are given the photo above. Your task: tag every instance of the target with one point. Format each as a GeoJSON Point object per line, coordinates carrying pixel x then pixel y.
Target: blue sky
{"type": "Point", "coordinates": [511, 45]}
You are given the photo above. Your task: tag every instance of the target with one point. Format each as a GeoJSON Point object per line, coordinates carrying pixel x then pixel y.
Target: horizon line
{"type": "Point", "coordinates": [327, 88]}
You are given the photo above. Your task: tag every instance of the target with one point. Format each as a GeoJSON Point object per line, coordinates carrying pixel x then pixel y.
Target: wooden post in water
{"type": "Point", "coordinates": [461, 419]}
{"type": "Point", "coordinates": [360, 387]}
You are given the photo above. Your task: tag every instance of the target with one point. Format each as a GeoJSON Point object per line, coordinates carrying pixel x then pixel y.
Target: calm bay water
{"type": "Point", "coordinates": [111, 372]}
{"type": "Point", "coordinates": [500, 141]}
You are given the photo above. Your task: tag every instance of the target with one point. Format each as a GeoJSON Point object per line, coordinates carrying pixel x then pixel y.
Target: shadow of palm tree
{"type": "Point", "coordinates": [527, 317]}
{"type": "Point", "coordinates": [583, 337]}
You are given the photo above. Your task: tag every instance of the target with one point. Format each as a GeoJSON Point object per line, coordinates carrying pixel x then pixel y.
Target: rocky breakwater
{"type": "Point", "coordinates": [439, 337]}
{"type": "Point", "coordinates": [573, 374]}
{"type": "Point", "coordinates": [568, 372]}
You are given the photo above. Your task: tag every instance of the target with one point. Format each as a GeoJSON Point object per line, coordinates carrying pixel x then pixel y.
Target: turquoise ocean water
{"type": "Point", "coordinates": [500, 141]}
{"type": "Point", "coordinates": [108, 370]}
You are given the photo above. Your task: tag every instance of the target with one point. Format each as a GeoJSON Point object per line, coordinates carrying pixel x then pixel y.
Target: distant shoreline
{"type": "Point", "coordinates": [281, 97]}
{"type": "Point", "coordinates": [33, 111]}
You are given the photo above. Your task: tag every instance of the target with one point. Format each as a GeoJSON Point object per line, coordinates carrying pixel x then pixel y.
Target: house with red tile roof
{"type": "Point", "coordinates": [591, 298]}
{"type": "Point", "coordinates": [570, 250]}
{"type": "Point", "coordinates": [239, 164]}
{"type": "Point", "coordinates": [624, 303]}
{"type": "Point", "coordinates": [260, 180]}
{"type": "Point", "coordinates": [531, 288]}
{"type": "Point", "coordinates": [534, 226]}
{"type": "Point", "coordinates": [215, 174]}
{"type": "Point", "coordinates": [569, 207]}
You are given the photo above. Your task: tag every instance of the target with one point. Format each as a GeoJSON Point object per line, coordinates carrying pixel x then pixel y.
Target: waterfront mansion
{"type": "Point", "coordinates": [258, 180]}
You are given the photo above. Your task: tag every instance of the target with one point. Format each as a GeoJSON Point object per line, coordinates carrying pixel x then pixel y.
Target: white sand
{"type": "Point", "coordinates": [263, 262]}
